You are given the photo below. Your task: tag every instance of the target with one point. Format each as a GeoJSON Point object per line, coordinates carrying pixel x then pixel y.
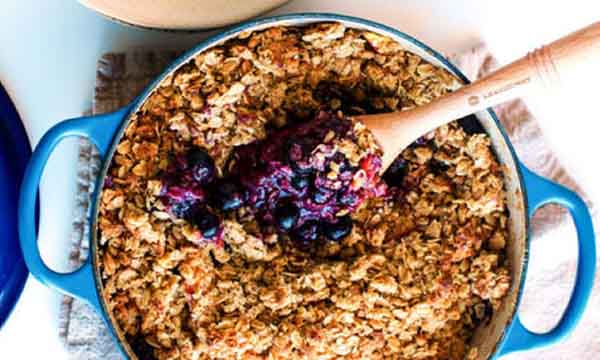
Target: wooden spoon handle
{"type": "Point", "coordinates": [571, 56]}
{"type": "Point", "coordinates": [563, 59]}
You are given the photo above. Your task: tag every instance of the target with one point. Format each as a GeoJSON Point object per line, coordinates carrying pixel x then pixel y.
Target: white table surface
{"type": "Point", "coordinates": [48, 54]}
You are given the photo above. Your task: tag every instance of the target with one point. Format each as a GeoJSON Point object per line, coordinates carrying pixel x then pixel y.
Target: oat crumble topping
{"type": "Point", "coordinates": [419, 271]}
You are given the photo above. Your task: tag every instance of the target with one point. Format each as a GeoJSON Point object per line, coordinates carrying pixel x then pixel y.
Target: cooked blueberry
{"type": "Point", "coordinates": [201, 165]}
{"type": "Point", "coordinates": [300, 182]}
{"type": "Point", "coordinates": [325, 91]}
{"type": "Point", "coordinates": [437, 167]}
{"type": "Point", "coordinates": [395, 173]}
{"type": "Point", "coordinates": [471, 125]}
{"type": "Point", "coordinates": [198, 156]}
{"type": "Point", "coordinates": [207, 223]}
{"type": "Point", "coordinates": [108, 182]}
{"type": "Point", "coordinates": [346, 175]}
{"type": "Point", "coordinates": [295, 151]}
{"type": "Point", "coordinates": [338, 230]}
{"type": "Point", "coordinates": [482, 313]}
{"type": "Point", "coordinates": [347, 198]}
{"type": "Point", "coordinates": [321, 196]}
{"type": "Point", "coordinates": [345, 166]}
{"type": "Point", "coordinates": [228, 196]}
{"type": "Point", "coordinates": [308, 232]}
{"type": "Point", "coordinates": [421, 141]}
{"type": "Point", "coordinates": [259, 204]}
{"type": "Point", "coordinates": [302, 170]}
{"type": "Point", "coordinates": [286, 216]}
{"type": "Point", "coordinates": [182, 209]}
{"type": "Point", "coordinates": [339, 158]}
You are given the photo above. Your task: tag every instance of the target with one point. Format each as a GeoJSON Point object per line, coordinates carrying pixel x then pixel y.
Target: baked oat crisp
{"type": "Point", "coordinates": [421, 268]}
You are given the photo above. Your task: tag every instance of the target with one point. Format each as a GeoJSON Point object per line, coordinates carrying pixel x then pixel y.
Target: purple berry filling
{"type": "Point", "coordinates": [295, 167]}
{"type": "Point", "coordinates": [184, 193]}
{"type": "Point", "coordinates": [296, 181]}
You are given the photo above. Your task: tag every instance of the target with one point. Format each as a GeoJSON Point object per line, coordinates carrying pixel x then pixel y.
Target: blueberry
{"type": "Point", "coordinates": [286, 216]}
{"type": "Point", "coordinates": [471, 125]}
{"type": "Point", "coordinates": [421, 141]}
{"type": "Point", "coordinates": [201, 165]}
{"type": "Point", "coordinates": [228, 196]}
{"type": "Point", "coordinates": [302, 170]}
{"type": "Point", "coordinates": [207, 223]}
{"type": "Point", "coordinates": [345, 166]}
{"type": "Point", "coordinates": [437, 167]}
{"type": "Point", "coordinates": [108, 182]}
{"type": "Point", "coordinates": [340, 158]}
{"type": "Point", "coordinates": [485, 316]}
{"type": "Point", "coordinates": [321, 196]}
{"type": "Point", "coordinates": [308, 232]}
{"type": "Point", "coordinates": [396, 172]}
{"type": "Point", "coordinates": [181, 209]}
{"type": "Point", "coordinates": [338, 230]}
{"type": "Point", "coordinates": [300, 182]}
{"type": "Point", "coordinates": [295, 151]}
{"type": "Point", "coordinates": [346, 198]}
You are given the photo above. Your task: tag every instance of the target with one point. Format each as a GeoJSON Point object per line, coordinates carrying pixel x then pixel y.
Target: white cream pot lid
{"type": "Point", "coordinates": [181, 14]}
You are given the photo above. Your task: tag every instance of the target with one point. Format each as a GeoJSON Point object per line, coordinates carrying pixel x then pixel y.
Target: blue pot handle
{"type": "Point", "coordinates": [541, 192]}
{"type": "Point", "coordinates": [100, 130]}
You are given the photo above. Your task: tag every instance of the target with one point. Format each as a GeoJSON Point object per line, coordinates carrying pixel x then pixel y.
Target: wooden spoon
{"type": "Point", "coordinates": [573, 55]}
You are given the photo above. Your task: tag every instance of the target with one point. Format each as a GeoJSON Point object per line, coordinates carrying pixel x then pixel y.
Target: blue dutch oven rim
{"type": "Point", "coordinates": [77, 283]}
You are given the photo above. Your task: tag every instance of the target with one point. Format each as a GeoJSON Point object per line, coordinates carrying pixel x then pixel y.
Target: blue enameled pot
{"type": "Point", "coordinates": [526, 192]}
